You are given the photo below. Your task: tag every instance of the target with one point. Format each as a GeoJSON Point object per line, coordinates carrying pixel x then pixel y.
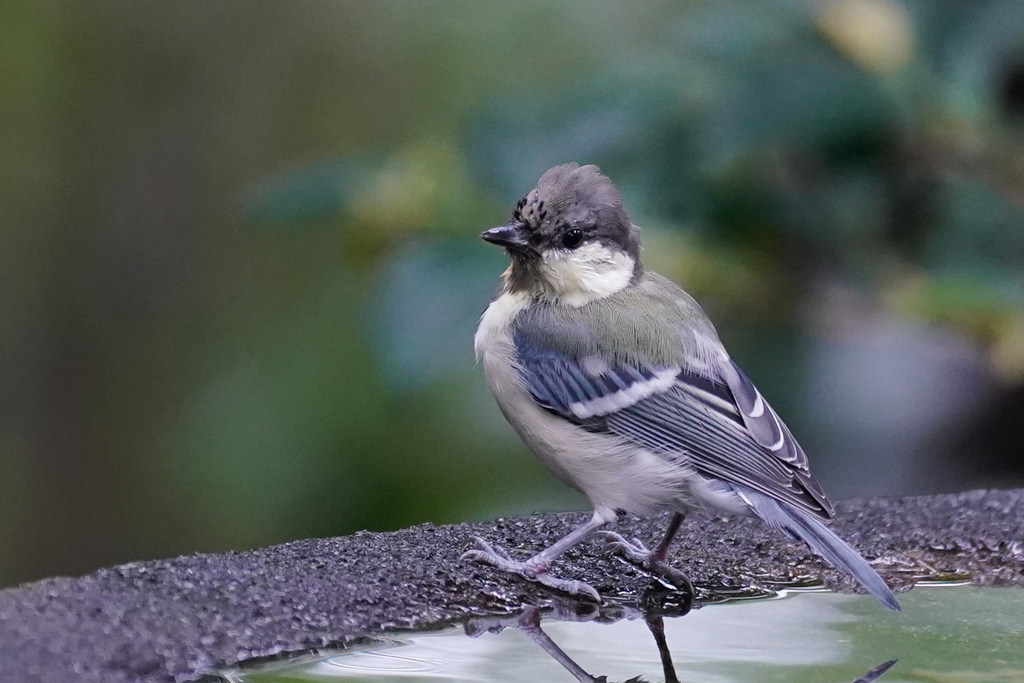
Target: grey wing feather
{"type": "Point", "coordinates": [700, 417]}
{"type": "Point", "coordinates": [678, 414]}
{"type": "Point", "coordinates": [587, 389]}
{"type": "Point", "coordinates": [762, 422]}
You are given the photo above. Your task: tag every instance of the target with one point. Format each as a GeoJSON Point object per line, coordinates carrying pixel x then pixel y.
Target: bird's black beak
{"type": "Point", "coordinates": [511, 236]}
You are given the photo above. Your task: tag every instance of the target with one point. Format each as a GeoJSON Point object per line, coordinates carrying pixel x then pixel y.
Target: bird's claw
{"type": "Point", "coordinates": [500, 559]}
{"type": "Point", "coordinates": [633, 550]}
{"type": "Point", "coordinates": [484, 550]}
{"type": "Point", "coordinates": [637, 553]}
{"type": "Point", "coordinates": [570, 586]}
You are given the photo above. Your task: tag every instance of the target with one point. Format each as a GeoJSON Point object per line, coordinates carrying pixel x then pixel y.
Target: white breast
{"type": "Point", "coordinates": [613, 473]}
{"type": "Point", "coordinates": [493, 328]}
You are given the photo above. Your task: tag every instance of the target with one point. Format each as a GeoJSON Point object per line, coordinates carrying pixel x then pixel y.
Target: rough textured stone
{"type": "Point", "coordinates": [173, 620]}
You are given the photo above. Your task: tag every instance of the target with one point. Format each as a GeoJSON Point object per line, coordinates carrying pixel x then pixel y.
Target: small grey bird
{"type": "Point", "coordinates": [616, 379]}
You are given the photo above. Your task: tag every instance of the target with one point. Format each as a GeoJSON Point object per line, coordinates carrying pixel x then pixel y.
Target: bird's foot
{"type": "Point", "coordinates": [531, 569]}
{"type": "Point", "coordinates": [634, 551]}
{"type": "Point", "coordinates": [637, 553]}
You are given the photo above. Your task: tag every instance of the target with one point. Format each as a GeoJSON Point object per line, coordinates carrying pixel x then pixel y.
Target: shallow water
{"type": "Point", "coordinates": [960, 634]}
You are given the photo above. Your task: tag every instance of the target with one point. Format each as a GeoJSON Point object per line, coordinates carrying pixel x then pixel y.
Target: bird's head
{"type": "Point", "coordinates": [570, 239]}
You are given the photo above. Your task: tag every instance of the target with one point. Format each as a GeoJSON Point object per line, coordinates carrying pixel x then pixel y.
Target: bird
{"type": "Point", "coordinates": [618, 382]}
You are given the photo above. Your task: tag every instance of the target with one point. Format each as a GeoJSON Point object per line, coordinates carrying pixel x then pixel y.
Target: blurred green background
{"type": "Point", "coordinates": [240, 272]}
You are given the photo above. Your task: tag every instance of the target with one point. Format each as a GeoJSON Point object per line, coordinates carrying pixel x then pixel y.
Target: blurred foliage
{"type": "Point", "coordinates": [240, 273]}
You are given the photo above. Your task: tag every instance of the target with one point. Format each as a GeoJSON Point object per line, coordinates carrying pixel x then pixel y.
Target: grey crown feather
{"type": "Point", "coordinates": [579, 196]}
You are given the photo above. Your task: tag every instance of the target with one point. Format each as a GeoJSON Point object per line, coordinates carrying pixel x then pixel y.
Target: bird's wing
{"type": "Point", "coordinates": [715, 419]}
{"type": "Point", "coordinates": [761, 421]}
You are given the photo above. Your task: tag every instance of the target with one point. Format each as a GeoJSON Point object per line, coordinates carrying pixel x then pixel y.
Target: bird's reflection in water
{"type": "Point", "coordinates": [654, 607]}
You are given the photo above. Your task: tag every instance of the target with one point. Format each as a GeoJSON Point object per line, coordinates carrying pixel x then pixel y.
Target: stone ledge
{"type": "Point", "coordinates": [173, 620]}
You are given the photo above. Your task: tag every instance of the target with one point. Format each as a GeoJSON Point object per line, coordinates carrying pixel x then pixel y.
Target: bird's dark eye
{"type": "Point", "coordinates": [572, 239]}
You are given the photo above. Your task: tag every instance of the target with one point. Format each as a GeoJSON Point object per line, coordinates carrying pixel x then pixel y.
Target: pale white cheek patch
{"type": "Point", "coordinates": [624, 398]}
{"type": "Point", "coordinates": [589, 273]}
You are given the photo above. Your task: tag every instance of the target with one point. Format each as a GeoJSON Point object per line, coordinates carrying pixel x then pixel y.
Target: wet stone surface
{"type": "Point", "coordinates": [173, 620]}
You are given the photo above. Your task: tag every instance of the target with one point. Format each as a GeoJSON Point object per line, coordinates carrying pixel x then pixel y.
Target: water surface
{"type": "Point", "coordinates": [946, 634]}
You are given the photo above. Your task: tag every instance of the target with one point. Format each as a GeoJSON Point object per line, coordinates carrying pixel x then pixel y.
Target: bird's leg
{"type": "Point", "coordinates": [652, 560]}
{"type": "Point", "coordinates": [536, 568]}
{"type": "Point", "coordinates": [529, 623]}
{"type": "Point", "coordinates": [656, 624]}
{"type": "Point", "coordinates": [661, 550]}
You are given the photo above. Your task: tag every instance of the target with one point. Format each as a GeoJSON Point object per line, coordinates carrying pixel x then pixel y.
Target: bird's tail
{"type": "Point", "coordinates": [823, 541]}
